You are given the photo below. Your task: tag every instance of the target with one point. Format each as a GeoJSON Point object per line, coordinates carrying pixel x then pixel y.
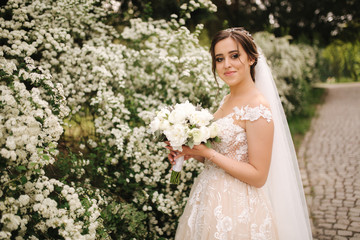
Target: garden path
{"type": "Point", "coordinates": [329, 160]}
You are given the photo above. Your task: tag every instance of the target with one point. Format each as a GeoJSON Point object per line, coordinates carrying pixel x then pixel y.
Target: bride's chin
{"type": "Point", "coordinates": [231, 82]}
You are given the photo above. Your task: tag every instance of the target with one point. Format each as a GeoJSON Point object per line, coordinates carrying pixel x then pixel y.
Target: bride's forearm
{"type": "Point", "coordinates": [243, 171]}
{"type": "Point", "coordinates": [199, 158]}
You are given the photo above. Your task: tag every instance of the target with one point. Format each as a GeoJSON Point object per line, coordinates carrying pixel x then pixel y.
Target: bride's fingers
{"type": "Point", "coordinates": [179, 155]}
{"type": "Point", "coordinates": [171, 159]}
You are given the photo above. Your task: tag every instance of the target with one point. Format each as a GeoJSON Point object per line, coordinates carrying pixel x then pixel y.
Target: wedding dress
{"type": "Point", "coordinates": [221, 206]}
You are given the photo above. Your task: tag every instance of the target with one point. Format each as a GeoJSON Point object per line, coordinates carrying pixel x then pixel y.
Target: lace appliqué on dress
{"type": "Point", "coordinates": [253, 113]}
{"type": "Point", "coordinates": [224, 224]}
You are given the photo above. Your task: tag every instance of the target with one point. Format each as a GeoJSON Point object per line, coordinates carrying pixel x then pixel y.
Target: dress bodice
{"type": "Point", "coordinates": [233, 137]}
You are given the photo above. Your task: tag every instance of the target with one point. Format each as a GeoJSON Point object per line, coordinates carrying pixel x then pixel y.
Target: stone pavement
{"type": "Point", "coordinates": [329, 160]}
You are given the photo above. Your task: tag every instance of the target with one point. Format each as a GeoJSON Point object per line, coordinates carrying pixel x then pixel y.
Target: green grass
{"type": "Point", "coordinates": [301, 123]}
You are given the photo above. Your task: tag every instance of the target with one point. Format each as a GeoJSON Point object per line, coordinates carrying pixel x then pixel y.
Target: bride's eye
{"type": "Point", "coordinates": [219, 59]}
{"type": "Point", "coordinates": [235, 56]}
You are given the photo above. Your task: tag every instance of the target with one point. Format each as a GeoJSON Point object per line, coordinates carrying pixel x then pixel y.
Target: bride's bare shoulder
{"type": "Point", "coordinates": [256, 99]}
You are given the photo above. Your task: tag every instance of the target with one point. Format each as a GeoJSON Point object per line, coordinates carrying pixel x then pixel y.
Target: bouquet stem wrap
{"type": "Point", "coordinates": [176, 170]}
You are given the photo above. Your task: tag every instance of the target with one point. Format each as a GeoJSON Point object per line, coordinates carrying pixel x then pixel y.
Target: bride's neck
{"type": "Point", "coordinates": [241, 90]}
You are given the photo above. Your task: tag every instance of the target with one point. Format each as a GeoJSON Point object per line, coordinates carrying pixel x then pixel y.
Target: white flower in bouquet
{"type": "Point", "coordinates": [201, 118]}
{"type": "Point", "coordinates": [184, 124]}
{"type": "Point", "coordinates": [214, 130]}
{"type": "Point", "coordinates": [177, 135]}
{"type": "Point", "coordinates": [181, 112]}
{"type": "Point", "coordinates": [199, 135]}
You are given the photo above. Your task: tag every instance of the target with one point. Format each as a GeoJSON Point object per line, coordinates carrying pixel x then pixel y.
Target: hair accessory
{"type": "Point", "coordinates": [238, 29]}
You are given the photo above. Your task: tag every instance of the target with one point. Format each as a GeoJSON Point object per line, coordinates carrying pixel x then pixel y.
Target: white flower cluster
{"type": "Point", "coordinates": [292, 67]}
{"type": "Point", "coordinates": [190, 7]}
{"type": "Point", "coordinates": [158, 63]}
{"type": "Point", "coordinates": [57, 205]}
{"type": "Point", "coordinates": [184, 124]}
{"type": "Point", "coordinates": [29, 128]}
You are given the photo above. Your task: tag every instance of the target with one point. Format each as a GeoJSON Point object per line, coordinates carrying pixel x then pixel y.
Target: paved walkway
{"type": "Point", "coordinates": [329, 160]}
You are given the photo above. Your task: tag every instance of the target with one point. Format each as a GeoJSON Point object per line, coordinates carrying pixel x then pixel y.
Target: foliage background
{"type": "Point", "coordinates": [80, 81]}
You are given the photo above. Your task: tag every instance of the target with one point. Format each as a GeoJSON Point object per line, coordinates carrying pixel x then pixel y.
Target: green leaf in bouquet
{"type": "Point", "coordinates": [159, 137]}
{"type": "Point", "coordinates": [191, 143]}
{"type": "Point", "coordinates": [217, 139]}
{"type": "Point", "coordinates": [208, 144]}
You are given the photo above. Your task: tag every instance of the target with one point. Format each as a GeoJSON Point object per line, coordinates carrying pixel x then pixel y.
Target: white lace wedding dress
{"type": "Point", "coordinates": [221, 206]}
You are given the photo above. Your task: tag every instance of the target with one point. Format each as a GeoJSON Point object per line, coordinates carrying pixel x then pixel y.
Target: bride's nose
{"type": "Point", "coordinates": [227, 63]}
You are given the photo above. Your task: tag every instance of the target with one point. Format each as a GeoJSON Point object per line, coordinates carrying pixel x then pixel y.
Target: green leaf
{"type": "Point", "coordinates": [208, 144]}
{"type": "Point", "coordinates": [21, 168]}
{"type": "Point", "coordinates": [217, 139]}
{"type": "Point", "coordinates": [46, 157]}
{"type": "Point", "coordinates": [23, 180]}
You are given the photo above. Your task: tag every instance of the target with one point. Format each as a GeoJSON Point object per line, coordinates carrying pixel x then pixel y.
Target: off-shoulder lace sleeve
{"type": "Point", "coordinates": [253, 113]}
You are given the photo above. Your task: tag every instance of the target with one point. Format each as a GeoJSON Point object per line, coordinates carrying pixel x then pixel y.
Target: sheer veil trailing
{"type": "Point", "coordinates": [283, 186]}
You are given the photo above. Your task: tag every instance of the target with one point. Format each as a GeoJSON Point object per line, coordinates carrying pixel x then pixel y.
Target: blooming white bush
{"type": "Point", "coordinates": [293, 67]}
{"type": "Point", "coordinates": [32, 108]}
{"type": "Point", "coordinates": [114, 184]}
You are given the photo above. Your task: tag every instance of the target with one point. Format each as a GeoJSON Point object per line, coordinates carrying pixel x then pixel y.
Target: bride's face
{"type": "Point", "coordinates": [232, 62]}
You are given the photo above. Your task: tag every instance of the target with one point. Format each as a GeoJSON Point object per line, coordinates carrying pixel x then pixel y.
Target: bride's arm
{"type": "Point", "coordinates": [259, 138]}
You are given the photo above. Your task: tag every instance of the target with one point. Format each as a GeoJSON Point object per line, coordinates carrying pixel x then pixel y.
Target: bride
{"type": "Point", "coordinates": [250, 186]}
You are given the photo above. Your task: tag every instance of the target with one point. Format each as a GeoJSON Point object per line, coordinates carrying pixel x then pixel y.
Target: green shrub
{"type": "Point", "coordinates": [341, 60]}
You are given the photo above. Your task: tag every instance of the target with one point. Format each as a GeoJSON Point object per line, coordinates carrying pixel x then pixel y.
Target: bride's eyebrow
{"type": "Point", "coordinates": [233, 51]}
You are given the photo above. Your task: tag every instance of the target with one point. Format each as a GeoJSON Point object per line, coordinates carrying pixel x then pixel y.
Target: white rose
{"type": "Point", "coordinates": [177, 116]}
{"type": "Point", "coordinates": [177, 135]}
{"type": "Point", "coordinates": [214, 130]}
{"type": "Point", "coordinates": [201, 118]}
{"type": "Point", "coordinates": [164, 125]}
{"type": "Point", "coordinates": [181, 112]}
{"type": "Point", "coordinates": [163, 114]}
{"type": "Point", "coordinates": [200, 134]}
{"type": "Point", "coordinates": [186, 107]}
{"type": "Point", "coordinates": [155, 125]}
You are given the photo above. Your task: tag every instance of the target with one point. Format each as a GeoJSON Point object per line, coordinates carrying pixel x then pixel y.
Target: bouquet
{"type": "Point", "coordinates": [184, 124]}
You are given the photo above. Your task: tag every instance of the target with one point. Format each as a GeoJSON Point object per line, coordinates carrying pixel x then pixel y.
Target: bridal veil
{"type": "Point", "coordinates": [283, 186]}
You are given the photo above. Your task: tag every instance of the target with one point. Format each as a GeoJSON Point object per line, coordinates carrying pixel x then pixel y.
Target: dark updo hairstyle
{"type": "Point", "coordinates": [240, 36]}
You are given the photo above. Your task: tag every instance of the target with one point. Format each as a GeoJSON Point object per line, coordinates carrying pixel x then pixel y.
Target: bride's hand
{"type": "Point", "coordinates": [198, 150]}
{"type": "Point", "coordinates": [174, 154]}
